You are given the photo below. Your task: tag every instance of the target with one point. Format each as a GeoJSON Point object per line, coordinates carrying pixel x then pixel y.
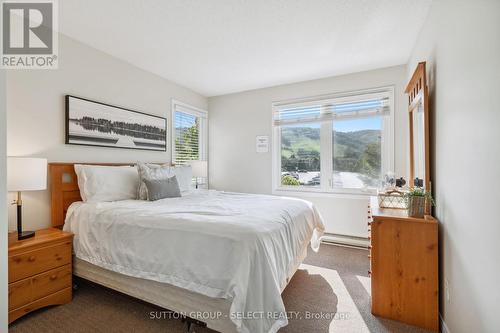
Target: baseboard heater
{"type": "Point", "coordinates": [345, 240]}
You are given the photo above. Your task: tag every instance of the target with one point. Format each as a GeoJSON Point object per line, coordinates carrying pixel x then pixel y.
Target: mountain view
{"type": "Point", "coordinates": [356, 151]}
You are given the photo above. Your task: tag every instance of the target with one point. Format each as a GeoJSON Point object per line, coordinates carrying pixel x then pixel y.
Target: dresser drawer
{"type": "Point", "coordinates": [19, 294]}
{"type": "Point", "coordinates": [49, 282]}
{"type": "Point", "coordinates": [34, 262]}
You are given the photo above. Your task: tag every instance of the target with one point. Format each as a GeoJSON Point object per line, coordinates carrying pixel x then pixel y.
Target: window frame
{"type": "Point", "coordinates": [178, 106]}
{"type": "Point", "coordinates": [326, 144]}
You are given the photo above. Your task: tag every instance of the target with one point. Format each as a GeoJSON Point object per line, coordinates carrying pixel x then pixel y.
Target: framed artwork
{"type": "Point", "coordinates": [92, 123]}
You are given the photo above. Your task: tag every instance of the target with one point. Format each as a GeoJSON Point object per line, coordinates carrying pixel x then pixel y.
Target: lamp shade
{"type": "Point", "coordinates": [199, 168]}
{"type": "Point", "coordinates": [26, 174]}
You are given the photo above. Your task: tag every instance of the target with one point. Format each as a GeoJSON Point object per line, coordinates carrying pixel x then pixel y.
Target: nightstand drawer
{"type": "Point", "coordinates": [19, 294]}
{"type": "Point", "coordinates": [39, 271]}
{"type": "Point", "coordinates": [49, 282]}
{"type": "Point", "coordinates": [34, 262]}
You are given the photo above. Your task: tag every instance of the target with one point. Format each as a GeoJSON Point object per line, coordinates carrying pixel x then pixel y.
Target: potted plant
{"type": "Point", "coordinates": [417, 199]}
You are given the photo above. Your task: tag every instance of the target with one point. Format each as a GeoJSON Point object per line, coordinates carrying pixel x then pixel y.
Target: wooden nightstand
{"type": "Point", "coordinates": [39, 271]}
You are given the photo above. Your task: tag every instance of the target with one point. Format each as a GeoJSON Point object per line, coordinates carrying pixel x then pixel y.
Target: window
{"type": "Point", "coordinates": [189, 133]}
{"type": "Point", "coordinates": [339, 143]}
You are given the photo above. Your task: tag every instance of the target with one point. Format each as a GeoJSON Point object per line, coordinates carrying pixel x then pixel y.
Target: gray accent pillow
{"type": "Point", "coordinates": [162, 188]}
{"type": "Point", "coordinates": [150, 171]}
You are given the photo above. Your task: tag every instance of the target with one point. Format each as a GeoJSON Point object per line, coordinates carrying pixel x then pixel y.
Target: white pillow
{"type": "Point", "coordinates": [184, 174]}
{"type": "Point", "coordinates": [99, 183]}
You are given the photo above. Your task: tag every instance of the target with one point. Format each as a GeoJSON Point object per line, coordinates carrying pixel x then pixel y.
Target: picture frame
{"type": "Point", "coordinates": [97, 124]}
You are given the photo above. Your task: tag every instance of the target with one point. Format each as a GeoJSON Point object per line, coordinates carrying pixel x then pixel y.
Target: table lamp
{"type": "Point", "coordinates": [25, 174]}
{"type": "Point", "coordinates": [199, 169]}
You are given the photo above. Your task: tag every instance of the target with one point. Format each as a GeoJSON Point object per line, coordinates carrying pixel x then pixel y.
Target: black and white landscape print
{"type": "Point", "coordinates": [97, 124]}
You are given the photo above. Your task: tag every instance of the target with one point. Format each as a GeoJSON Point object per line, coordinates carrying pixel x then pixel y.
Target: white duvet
{"type": "Point", "coordinates": [236, 246]}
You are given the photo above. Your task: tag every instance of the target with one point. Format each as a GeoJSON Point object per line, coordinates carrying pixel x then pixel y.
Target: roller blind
{"type": "Point", "coordinates": [329, 110]}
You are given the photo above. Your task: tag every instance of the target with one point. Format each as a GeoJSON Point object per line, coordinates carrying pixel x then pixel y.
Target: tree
{"type": "Point", "coordinates": [289, 180]}
{"type": "Point", "coordinates": [369, 162]}
{"type": "Point", "coordinates": [186, 144]}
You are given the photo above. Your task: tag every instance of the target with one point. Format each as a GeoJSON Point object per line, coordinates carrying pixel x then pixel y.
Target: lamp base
{"type": "Point", "coordinates": [25, 234]}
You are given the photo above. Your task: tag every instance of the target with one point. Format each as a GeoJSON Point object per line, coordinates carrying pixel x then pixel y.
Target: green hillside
{"type": "Point", "coordinates": [357, 151]}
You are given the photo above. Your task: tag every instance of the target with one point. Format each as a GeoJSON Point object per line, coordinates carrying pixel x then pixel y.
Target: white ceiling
{"type": "Point", "coordinates": [217, 47]}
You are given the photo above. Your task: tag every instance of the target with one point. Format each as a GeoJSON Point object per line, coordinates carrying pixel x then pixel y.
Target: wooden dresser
{"type": "Point", "coordinates": [39, 271]}
{"type": "Point", "coordinates": [404, 266]}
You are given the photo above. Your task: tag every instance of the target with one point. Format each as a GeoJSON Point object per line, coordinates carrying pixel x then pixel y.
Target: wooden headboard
{"type": "Point", "coordinates": [64, 188]}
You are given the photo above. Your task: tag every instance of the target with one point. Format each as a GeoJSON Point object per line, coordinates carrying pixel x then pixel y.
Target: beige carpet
{"type": "Point", "coordinates": [332, 283]}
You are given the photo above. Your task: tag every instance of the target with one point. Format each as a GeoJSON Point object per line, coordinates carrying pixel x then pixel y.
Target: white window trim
{"type": "Point", "coordinates": [325, 189]}
{"type": "Point", "coordinates": [197, 112]}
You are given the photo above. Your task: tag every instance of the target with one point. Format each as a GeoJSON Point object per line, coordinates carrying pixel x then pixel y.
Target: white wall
{"type": "Point", "coordinates": [3, 209]}
{"type": "Point", "coordinates": [35, 104]}
{"type": "Point", "coordinates": [461, 43]}
{"type": "Point", "coordinates": [236, 119]}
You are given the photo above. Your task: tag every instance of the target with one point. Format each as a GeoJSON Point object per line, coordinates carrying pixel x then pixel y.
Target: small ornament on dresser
{"type": "Point", "coordinates": [400, 182]}
{"type": "Point", "coordinates": [417, 182]}
{"type": "Point", "coordinates": [389, 180]}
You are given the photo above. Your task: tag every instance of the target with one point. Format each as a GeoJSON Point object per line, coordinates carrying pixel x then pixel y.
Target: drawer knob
{"type": "Point", "coordinates": [53, 277]}
{"type": "Point", "coordinates": [32, 258]}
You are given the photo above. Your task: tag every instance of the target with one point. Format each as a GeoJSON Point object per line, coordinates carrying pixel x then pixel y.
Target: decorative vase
{"type": "Point", "coordinates": [416, 206]}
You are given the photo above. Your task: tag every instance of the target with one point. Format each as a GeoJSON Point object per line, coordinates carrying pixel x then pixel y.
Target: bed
{"type": "Point", "coordinates": [220, 258]}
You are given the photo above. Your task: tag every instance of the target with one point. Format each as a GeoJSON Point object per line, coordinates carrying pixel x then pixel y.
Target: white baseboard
{"type": "Point", "coordinates": [444, 327]}
{"type": "Point", "coordinates": [346, 240]}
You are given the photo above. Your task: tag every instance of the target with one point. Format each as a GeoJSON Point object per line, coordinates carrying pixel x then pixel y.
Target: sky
{"type": "Point", "coordinates": [373, 123]}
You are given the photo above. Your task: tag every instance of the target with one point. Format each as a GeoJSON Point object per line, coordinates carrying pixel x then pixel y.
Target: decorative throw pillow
{"type": "Point", "coordinates": [150, 171]}
{"type": "Point", "coordinates": [162, 188]}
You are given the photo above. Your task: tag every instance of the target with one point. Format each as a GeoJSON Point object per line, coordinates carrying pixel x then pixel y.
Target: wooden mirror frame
{"type": "Point", "coordinates": [418, 94]}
